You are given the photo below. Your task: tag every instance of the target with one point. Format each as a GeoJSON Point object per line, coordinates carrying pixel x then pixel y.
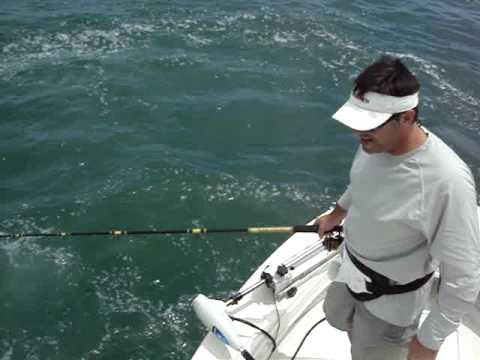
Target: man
{"type": "Point", "coordinates": [410, 209]}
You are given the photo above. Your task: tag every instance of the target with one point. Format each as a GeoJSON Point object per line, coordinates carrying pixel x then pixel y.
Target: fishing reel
{"type": "Point", "coordinates": [334, 238]}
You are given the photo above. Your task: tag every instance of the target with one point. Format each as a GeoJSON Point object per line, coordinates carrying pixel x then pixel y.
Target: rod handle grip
{"type": "Point", "coordinates": [314, 228]}
{"type": "Point", "coordinates": [305, 228]}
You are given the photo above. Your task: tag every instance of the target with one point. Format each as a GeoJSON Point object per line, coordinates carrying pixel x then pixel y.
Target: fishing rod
{"type": "Point", "coordinates": [192, 231]}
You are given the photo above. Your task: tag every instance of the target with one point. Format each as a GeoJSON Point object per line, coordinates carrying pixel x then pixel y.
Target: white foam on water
{"type": "Point", "coordinates": [230, 188]}
{"type": "Point", "coordinates": [285, 37]}
{"type": "Point", "coordinates": [7, 355]}
{"type": "Point", "coordinates": [265, 27]}
{"type": "Point", "coordinates": [32, 49]}
{"type": "Point", "coordinates": [196, 40]}
{"type": "Point", "coordinates": [29, 255]}
{"type": "Point", "coordinates": [116, 183]}
{"type": "Point", "coordinates": [458, 100]}
{"type": "Point", "coordinates": [441, 79]}
{"type": "Point", "coordinates": [117, 294]}
{"type": "Point", "coordinates": [231, 19]}
{"type": "Point", "coordinates": [24, 252]}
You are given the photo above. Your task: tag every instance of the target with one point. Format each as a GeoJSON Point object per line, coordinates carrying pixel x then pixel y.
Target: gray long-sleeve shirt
{"type": "Point", "coordinates": [409, 215]}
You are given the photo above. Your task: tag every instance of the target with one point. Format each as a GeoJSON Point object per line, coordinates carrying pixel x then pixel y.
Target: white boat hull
{"type": "Point", "coordinates": [299, 313]}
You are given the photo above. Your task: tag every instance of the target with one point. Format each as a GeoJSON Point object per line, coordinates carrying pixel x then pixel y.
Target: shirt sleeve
{"type": "Point", "coordinates": [455, 246]}
{"type": "Point", "coordinates": [346, 199]}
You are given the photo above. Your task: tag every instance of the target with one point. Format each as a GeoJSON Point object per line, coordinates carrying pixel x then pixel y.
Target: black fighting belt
{"type": "Point", "coordinates": [382, 285]}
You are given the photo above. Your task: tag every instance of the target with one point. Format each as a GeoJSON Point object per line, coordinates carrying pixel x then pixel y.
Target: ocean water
{"type": "Point", "coordinates": [147, 114]}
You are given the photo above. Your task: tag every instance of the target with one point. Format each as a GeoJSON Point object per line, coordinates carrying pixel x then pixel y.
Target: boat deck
{"type": "Point", "coordinates": [299, 313]}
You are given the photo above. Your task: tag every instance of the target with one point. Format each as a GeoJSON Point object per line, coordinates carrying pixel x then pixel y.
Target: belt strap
{"type": "Point", "coordinates": [382, 285]}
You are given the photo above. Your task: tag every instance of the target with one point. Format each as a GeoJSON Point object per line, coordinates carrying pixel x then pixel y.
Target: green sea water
{"type": "Point", "coordinates": [119, 114]}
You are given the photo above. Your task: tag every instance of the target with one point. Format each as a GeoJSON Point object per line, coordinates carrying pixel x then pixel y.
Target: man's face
{"type": "Point", "coordinates": [385, 138]}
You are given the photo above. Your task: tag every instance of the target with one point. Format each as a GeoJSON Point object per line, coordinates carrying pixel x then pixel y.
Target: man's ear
{"type": "Point", "coordinates": [408, 117]}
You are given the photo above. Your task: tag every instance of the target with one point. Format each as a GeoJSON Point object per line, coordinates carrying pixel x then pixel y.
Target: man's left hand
{"type": "Point", "coordinates": [417, 351]}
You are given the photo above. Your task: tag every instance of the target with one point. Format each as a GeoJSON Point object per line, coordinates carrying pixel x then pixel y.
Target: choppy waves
{"type": "Point", "coordinates": [177, 116]}
{"type": "Point", "coordinates": [42, 48]}
{"type": "Point", "coordinates": [295, 40]}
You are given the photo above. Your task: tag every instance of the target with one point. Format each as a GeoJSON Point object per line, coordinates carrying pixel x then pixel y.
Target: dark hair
{"type": "Point", "coordinates": [388, 76]}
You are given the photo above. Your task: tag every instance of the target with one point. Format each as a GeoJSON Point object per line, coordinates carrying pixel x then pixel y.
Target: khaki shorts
{"type": "Point", "coordinates": [371, 338]}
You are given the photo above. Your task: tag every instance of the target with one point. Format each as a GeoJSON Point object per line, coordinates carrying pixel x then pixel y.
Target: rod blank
{"type": "Point", "coordinates": [192, 231]}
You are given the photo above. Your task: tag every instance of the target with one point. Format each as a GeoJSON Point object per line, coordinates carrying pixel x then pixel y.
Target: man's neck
{"type": "Point", "coordinates": [413, 139]}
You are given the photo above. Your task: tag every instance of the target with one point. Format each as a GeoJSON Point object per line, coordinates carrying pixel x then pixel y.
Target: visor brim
{"type": "Point", "coordinates": [360, 119]}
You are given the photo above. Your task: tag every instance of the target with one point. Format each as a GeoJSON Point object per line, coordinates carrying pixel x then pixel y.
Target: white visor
{"type": "Point", "coordinates": [373, 110]}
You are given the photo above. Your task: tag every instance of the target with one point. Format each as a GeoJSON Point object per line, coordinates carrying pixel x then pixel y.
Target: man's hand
{"type": "Point", "coordinates": [417, 351]}
{"type": "Point", "coordinates": [325, 223]}
{"type": "Point", "coordinates": [329, 221]}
